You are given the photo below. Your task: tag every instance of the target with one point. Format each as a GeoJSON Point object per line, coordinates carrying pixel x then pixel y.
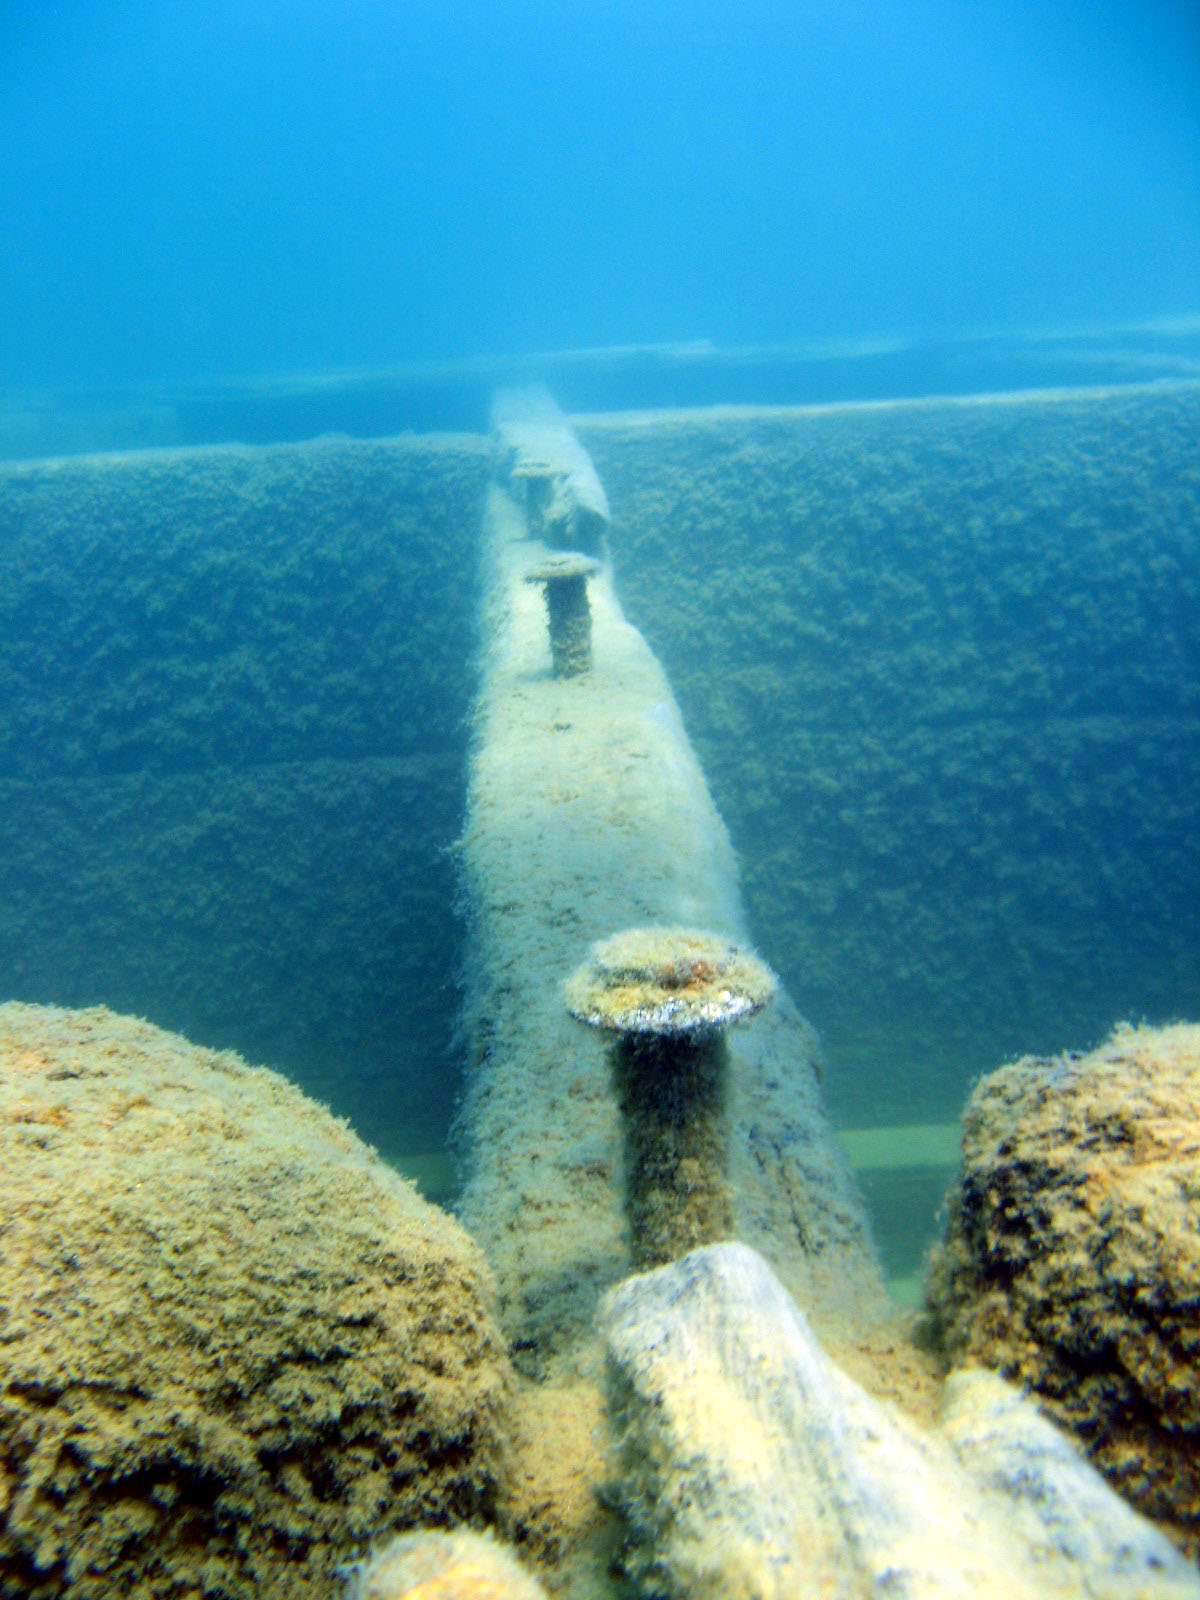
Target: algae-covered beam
{"type": "Point", "coordinates": [588, 812]}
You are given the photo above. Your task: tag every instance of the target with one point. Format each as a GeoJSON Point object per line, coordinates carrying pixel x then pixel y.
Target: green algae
{"type": "Point", "coordinates": [937, 662]}
{"type": "Point", "coordinates": [231, 768]}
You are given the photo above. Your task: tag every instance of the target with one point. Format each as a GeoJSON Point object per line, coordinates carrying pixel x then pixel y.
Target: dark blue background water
{"type": "Point", "coordinates": [192, 188]}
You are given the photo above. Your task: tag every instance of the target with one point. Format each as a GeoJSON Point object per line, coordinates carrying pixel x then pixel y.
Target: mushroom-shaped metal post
{"type": "Point", "coordinates": [565, 577]}
{"type": "Point", "coordinates": [668, 994]}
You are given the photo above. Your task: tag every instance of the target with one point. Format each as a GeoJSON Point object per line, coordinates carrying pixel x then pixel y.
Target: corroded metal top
{"type": "Point", "coordinates": [667, 981]}
{"type": "Point", "coordinates": [563, 564]}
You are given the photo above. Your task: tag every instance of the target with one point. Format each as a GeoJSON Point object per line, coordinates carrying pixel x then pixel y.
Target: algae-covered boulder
{"type": "Point", "coordinates": [432, 1564]}
{"type": "Point", "coordinates": [234, 1346]}
{"type": "Point", "coordinates": [1072, 1255]}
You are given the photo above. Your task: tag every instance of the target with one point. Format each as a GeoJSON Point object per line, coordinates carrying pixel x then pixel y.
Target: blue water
{"type": "Point", "coordinates": [201, 188]}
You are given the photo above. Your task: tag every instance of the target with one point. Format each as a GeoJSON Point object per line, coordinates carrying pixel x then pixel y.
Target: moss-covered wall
{"type": "Point", "coordinates": [235, 687]}
{"type": "Point", "coordinates": [941, 663]}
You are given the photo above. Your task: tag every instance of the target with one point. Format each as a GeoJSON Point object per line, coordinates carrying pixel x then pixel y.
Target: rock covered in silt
{"type": "Point", "coordinates": [750, 1467]}
{"type": "Point", "coordinates": [234, 1345]}
{"type": "Point", "coordinates": [1072, 1254]}
{"type": "Point", "coordinates": [434, 1564]}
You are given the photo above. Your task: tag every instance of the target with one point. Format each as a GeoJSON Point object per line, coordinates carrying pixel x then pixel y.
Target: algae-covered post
{"type": "Point", "coordinates": [668, 993]}
{"type": "Point", "coordinates": [549, 472]}
{"type": "Point", "coordinates": [564, 577]}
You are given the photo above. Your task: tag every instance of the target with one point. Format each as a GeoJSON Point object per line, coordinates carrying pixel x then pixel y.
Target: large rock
{"type": "Point", "coordinates": [1072, 1254]}
{"type": "Point", "coordinates": [752, 1468]}
{"type": "Point", "coordinates": [433, 1564]}
{"type": "Point", "coordinates": [234, 1346]}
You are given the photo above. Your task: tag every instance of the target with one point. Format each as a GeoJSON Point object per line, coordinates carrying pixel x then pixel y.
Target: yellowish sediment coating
{"type": "Point", "coordinates": [667, 981]}
{"type": "Point", "coordinates": [442, 1564]}
{"type": "Point", "coordinates": [563, 566]}
{"type": "Point", "coordinates": [1094, 1308]}
{"type": "Point", "coordinates": [211, 1295]}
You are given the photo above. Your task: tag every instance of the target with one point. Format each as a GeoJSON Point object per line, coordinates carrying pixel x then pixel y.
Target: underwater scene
{"type": "Point", "coordinates": [599, 772]}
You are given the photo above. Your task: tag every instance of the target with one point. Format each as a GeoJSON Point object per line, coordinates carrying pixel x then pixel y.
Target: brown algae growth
{"type": "Point", "coordinates": [234, 1345]}
{"type": "Point", "coordinates": [1072, 1258]}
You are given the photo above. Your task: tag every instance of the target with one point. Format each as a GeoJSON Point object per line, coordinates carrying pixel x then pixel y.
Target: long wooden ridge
{"type": "Point", "coordinates": [587, 814]}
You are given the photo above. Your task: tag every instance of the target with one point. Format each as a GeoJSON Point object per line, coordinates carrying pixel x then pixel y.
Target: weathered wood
{"type": "Point", "coordinates": [587, 813]}
{"type": "Point", "coordinates": [752, 1468]}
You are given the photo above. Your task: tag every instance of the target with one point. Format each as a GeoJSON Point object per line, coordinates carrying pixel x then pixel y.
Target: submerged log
{"type": "Point", "coordinates": [753, 1468]}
